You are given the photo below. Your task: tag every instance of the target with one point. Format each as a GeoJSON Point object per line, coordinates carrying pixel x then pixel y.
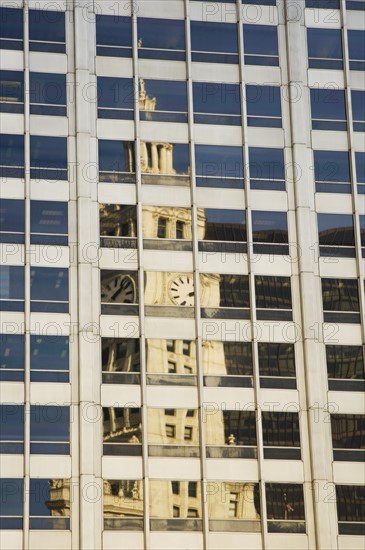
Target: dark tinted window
{"type": "Point", "coordinates": [362, 232]}
{"type": "Point", "coordinates": [47, 94]}
{"type": "Point", "coordinates": [11, 221]}
{"type": "Point", "coordinates": [336, 235]}
{"type": "Point", "coordinates": [113, 36]}
{"type": "Point", "coordinates": [122, 428]}
{"type": "Point", "coordinates": [219, 166]}
{"type": "Point", "coordinates": [49, 429]}
{"type": "Point", "coordinates": [332, 171]}
{"type": "Point", "coordinates": [214, 42]}
{"type": "Point", "coordinates": [118, 226]}
{"type": "Point", "coordinates": [328, 109]}
{"type": "Point", "coordinates": [345, 362]}
{"type": "Point", "coordinates": [161, 38]}
{"type": "Point", "coordinates": [260, 2]}
{"type": "Point", "coordinates": [325, 48]}
{"type": "Point", "coordinates": [351, 508]}
{"type": "Point", "coordinates": [270, 232]}
{"type": "Point", "coordinates": [11, 156]}
{"type": "Point", "coordinates": [348, 431]}
{"type": "Point", "coordinates": [49, 222]}
{"type": "Point", "coordinates": [48, 157]}
{"type": "Point", "coordinates": [355, 5]}
{"type": "Point", "coordinates": [120, 360]}
{"type": "Point", "coordinates": [263, 106]}
{"type": "Point", "coordinates": [239, 427]}
{"type": "Point", "coordinates": [340, 300]}
{"type": "Point", "coordinates": [358, 110]}
{"type": "Point", "coordinates": [216, 103]}
{"type": "Point", "coordinates": [276, 360]}
{"type": "Point", "coordinates": [49, 289]}
{"type": "Point", "coordinates": [280, 429]}
{"type": "Point", "coordinates": [116, 161]}
{"type": "Point", "coordinates": [284, 501]}
{"type": "Point", "coordinates": [115, 98]}
{"type": "Point", "coordinates": [223, 225]}
{"type": "Point", "coordinates": [360, 172]}
{"type": "Point", "coordinates": [234, 291]}
{"type": "Point", "coordinates": [47, 31]}
{"type": "Point", "coordinates": [11, 288]}
{"type": "Point", "coordinates": [11, 429]}
{"type": "Point", "coordinates": [11, 92]}
{"type": "Point", "coordinates": [323, 4]}
{"type": "Point", "coordinates": [11, 357]}
{"type": "Point", "coordinates": [267, 169]}
{"type": "Point", "coordinates": [49, 358]}
{"type": "Point", "coordinates": [356, 50]}
{"type": "Point", "coordinates": [261, 45]}
{"type": "Point", "coordinates": [273, 293]}
{"type": "Point", "coordinates": [11, 28]}
{"type": "Point", "coordinates": [12, 502]}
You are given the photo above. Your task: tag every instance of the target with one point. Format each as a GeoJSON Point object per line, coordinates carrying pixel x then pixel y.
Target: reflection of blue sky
{"type": "Point", "coordinates": [266, 163]}
{"type": "Point", "coordinates": [217, 98]}
{"type": "Point", "coordinates": [12, 150]}
{"type": "Point", "coordinates": [161, 33]}
{"type": "Point", "coordinates": [219, 160]}
{"type": "Point", "coordinates": [334, 221]}
{"type": "Point", "coordinates": [11, 494]}
{"type": "Point", "coordinates": [49, 423]}
{"type": "Point", "coordinates": [48, 151]}
{"type": "Point", "coordinates": [356, 44]}
{"type": "Point", "coordinates": [170, 95]}
{"type": "Point", "coordinates": [49, 283]}
{"type": "Point", "coordinates": [12, 351]}
{"type": "Point", "coordinates": [216, 215]}
{"type": "Point", "coordinates": [328, 103]}
{"type": "Point", "coordinates": [263, 100]}
{"type": "Point", "coordinates": [260, 39]}
{"type": "Point", "coordinates": [326, 43]}
{"type": "Point", "coordinates": [49, 352]}
{"type": "Point", "coordinates": [12, 215]}
{"type": "Point", "coordinates": [11, 282]}
{"type": "Point", "coordinates": [360, 167]}
{"type": "Point", "coordinates": [113, 31]}
{"type": "Point", "coordinates": [214, 37]}
{"type": "Point", "coordinates": [12, 422]}
{"type": "Point", "coordinates": [39, 494]}
{"type": "Point", "coordinates": [331, 166]}
{"type": "Point", "coordinates": [268, 221]}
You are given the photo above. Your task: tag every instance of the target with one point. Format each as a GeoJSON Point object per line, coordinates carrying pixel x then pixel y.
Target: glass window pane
{"type": "Point", "coordinates": [269, 227]}
{"type": "Point", "coordinates": [348, 431]}
{"type": "Point", "coordinates": [222, 225]}
{"type": "Point", "coordinates": [50, 424]}
{"type": "Point", "coordinates": [285, 501]}
{"type": "Point", "coordinates": [273, 292]}
{"type": "Point", "coordinates": [12, 423]}
{"type": "Point", "coordinates": [336, 229]}
{"type": "Point", "coordinates": [214, 42]}
{"type": "Point", "coordinates": [350, 500]}
{"type": "Point", "coordinates": [12, 282]}
{"type": "Point", "coordinates": [12, 155]}
{"type": "Point", "coordinates": [263, 100]}
{"type": "Point", "coordinates": [115, 92]}
{"type": "Point", "coordinates": [214, 98]}
{"type": "Point", "coordinates": [358, 110]}
{"type": "Point", "coordinates": [276, 359]}
{"type": "Point", "coordinates": [122, 426]}
{"type": "Point", "coordinates": [356, 45]}
{"type": "Point", "coordinates": [49, 503]}
{"type": "Point", "coordinates": [261, 45]}
{"type": "Point", "coordinates": [360, 167]}
{"type": "Point", "coordinates": [219, 166]}
{"type": "Point", "coordinates": [161, 34]}
{"type": "Point", "coordinates": [162, 503]}
{"type": "Point", "coordinates": [172, 427]}
{"type": "Point", "coordinates": [48, 286]}
{"type": "Point", "coordinates": [11, 357]}
{"type": "Point", "coordinates": [11, 23]}
{"type": "Point", "coordinates": [49, 353]}
{"type": "Point", "coordinates": [49, 218]}
{"type": "Point", "coordinates": [331, 166]}
{"type": "Point", "coordinates": [47, 26]}
{"type": "Point", "coordinates": [123, 504]}
{"type": "Point", "coordinates": [11, 221]}
{"type": "Point", "coordinates": [112, 30]}
{"type": "Point", "coordinates": [46, 91]}
{"type": "Point", "coordinates": [11, 91]}
{"type": "Point", "coordinates": [119, 287]}
{"type": "Point", "coordinates": [340, 295]}
{"type": "Point", "coordinates": [280, 429]}
{"type": "Point", "coordinates": [48, 157]}
{"type": "Point", "coordinates": [328, 105]}
{"type": "Point", "coordinates": [233, 500]}
{"type": "Point", "coordinates": [325, 48]}
{"type": "Point", "coordinates": [115, 157]}
{"type": "Point", "coordinates": [164, 95]}
{"type": "Point", "coordinates": [11, 496]}
{"type": "Point", "coordinates": [345, 362]}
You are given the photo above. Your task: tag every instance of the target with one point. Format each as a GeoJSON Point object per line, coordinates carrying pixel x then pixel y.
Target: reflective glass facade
{"type": "Point", "coordinates": [182, 237]}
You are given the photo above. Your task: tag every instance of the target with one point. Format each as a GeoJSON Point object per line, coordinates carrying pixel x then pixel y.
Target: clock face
{"type": "Point", "coordinates": [182, 291]}
{"type": "Point", "coordinates": [119, 289]}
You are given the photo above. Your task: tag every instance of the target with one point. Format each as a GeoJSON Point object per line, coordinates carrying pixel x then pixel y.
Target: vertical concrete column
{"type": "Point", "coordinates": [323, 526]}
{"type": "Point", "coordinates": [90, 436]}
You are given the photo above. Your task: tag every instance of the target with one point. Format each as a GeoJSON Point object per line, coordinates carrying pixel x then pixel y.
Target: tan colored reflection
{"type": "Point", "coordinates": [117, 220]}
{"type": "Point", "coordinates": [169, 289]}
{"type": "Point", "coordinates": [233, 500]}
{"type": "Point", "coordinates": [173, 426]}
{"type": "Point", "coordinates": [175, 499]}
{"type": "Point", "coordinates": [59, 498]}
{"type": "Point", "coordinates": [171, 356]}
{"type": "Point", "coordinates": [164, 222]}
{"type": "Point", "coordinates": [122, 425]}
{"type": "Point", "coordinates": [123, 499]}
{"type": "Point", "coordinates": [120, 355]}
{"type": "Point", "coordinates": [119, 287]}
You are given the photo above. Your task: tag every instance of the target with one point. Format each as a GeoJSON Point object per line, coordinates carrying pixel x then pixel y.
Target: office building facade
{"type": "Point", "coordinates": [182, 279]}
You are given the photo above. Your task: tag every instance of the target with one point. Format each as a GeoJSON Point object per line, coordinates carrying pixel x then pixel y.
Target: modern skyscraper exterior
{"type": "Point", "coordinates": [182, 304]}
